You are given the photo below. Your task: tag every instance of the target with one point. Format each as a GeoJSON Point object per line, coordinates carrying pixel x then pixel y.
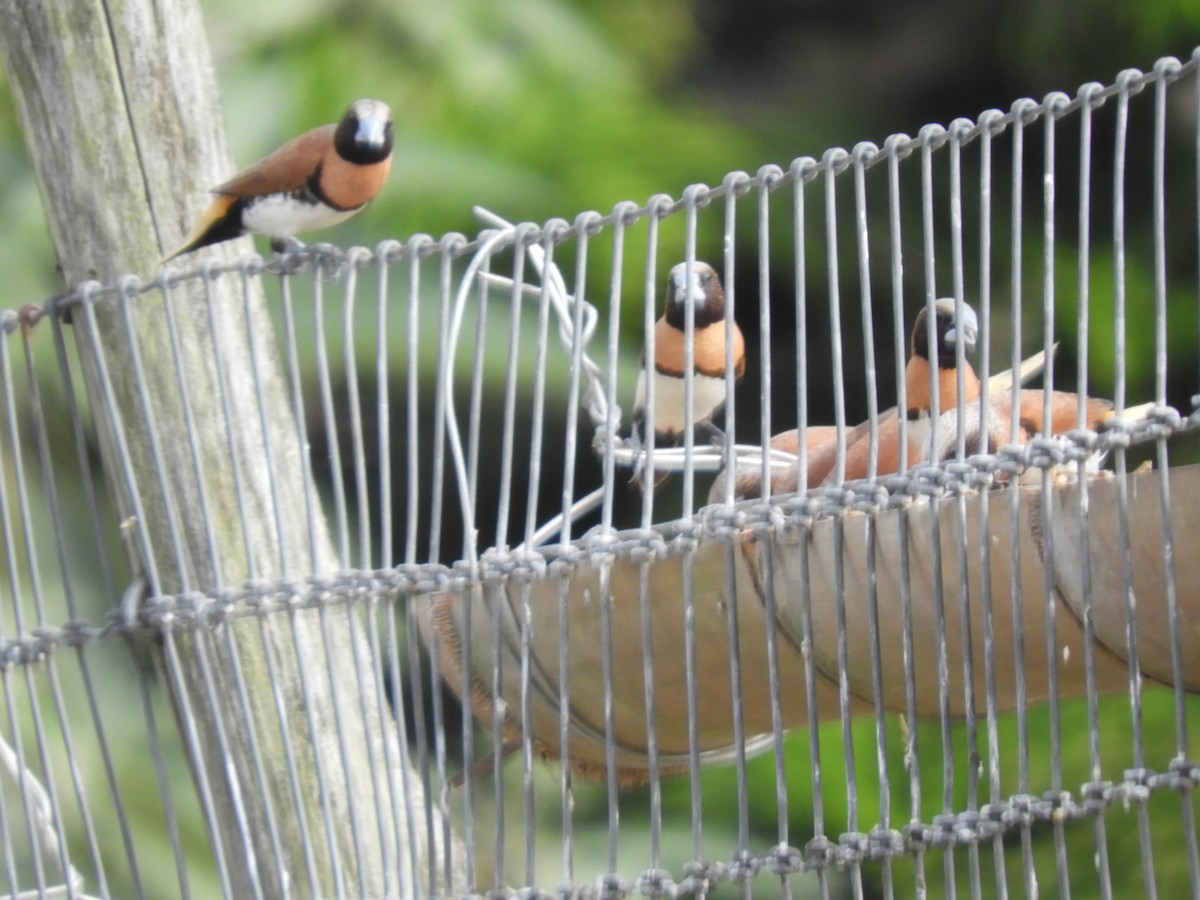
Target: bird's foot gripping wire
{"type": "Point", "coordinates": [634, 443]}
{"type": "Point", "coordinates": [289, 256]}
{"type": "Point", "coordinates": [328, 261]}
{"type": "Point", "coordinates": [716, 433]}
{"type": "Point", "coordinates": [282, 246]}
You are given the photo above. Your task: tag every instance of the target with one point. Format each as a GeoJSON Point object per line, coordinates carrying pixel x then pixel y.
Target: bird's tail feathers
{"type": "Point", "coordinates": [1029, 368]}
{"type": "Point", "coordinates": [215, 225]}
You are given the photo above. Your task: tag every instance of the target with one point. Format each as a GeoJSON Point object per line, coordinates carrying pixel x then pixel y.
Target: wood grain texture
{"type": "Point", "coordinates": [119, 106]}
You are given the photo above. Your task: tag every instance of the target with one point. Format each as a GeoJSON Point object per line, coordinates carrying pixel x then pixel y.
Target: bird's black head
{"type": "Point", "coordinates": [705, 293]}
{"type": "Point", "coordinates": [365, 134]}
{"type": "Point", "coordinates": [947, 330]}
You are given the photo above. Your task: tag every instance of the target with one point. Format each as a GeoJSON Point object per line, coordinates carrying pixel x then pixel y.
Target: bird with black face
{"type": "Point", "coordinates": [948, 333]}
{"type": "Point", "coordinates": [820, 441]}
{"type": "Point", "coordinates": [698, 286]}
{"type": "Point", "coordinates": [317, 180]}
{"type": "Point", "coordinates": [984, 428]}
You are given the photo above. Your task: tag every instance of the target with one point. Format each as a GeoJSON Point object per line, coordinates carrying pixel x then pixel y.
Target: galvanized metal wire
{"type": "Point", "coordinates": [560, 660]}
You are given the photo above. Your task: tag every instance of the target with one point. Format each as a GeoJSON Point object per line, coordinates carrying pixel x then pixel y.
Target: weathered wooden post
{"type": "Point", "coordinates": [121, 117]}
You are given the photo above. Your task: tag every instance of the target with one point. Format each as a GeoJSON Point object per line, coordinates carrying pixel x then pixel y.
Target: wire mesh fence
{"type": "Point", "coordinates": [505, 613]}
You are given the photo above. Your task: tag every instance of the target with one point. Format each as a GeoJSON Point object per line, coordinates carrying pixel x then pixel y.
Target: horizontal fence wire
{"type": "Point", "coordinates": [377, 588]}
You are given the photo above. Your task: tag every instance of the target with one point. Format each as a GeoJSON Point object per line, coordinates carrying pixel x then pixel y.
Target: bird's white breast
{"type": "Point", "coordinates": [283, 215]}
{"type": "Point", "coordinates": [708, 393]}
{"type": "Point", "coordinates": [918, 434]}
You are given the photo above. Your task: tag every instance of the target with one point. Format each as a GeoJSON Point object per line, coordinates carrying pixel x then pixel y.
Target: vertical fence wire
{"type": "Point", "coordinates": [72, 745]}
{"type": "Point", "coordinates": [165, 791]}
{"type": "Point", "coordinates": [986, 600]}
{"type": "Point", "coordinates": [1053, 102]}
{"type": "Point", "coordinates": [1020, 112]}
{"type": "Point", "coordinates": [15, 741]}
{"type": "Point", "coordinates": [1181, 727]}
{"type": "Point", "coordinates": [1124, 83]}
{"type": "Point", "coordinates": [1083, 276]}
{"type": "Point", "coordinates": [770, 599]}
{"type": "Point", "coordinates": [929, 137]}
{"type": "Point", "coordinates": [1163, 69]}
{"type": "Point", "coordinates": [29, 542]}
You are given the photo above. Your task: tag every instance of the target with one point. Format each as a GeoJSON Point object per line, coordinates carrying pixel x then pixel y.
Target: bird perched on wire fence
{"type": "Point", "coordinates": [319, 179]}
{"type": "Point", "coordinates": [870, 456]}
{"type": "Point", "coordinates": [984, 427]}
{"type": "Point", "coordinates": [949, 332]}
{"type": "Point", "coordinates": [696, 285]}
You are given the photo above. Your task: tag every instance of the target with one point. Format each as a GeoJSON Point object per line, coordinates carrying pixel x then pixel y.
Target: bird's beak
{"type": "Point", "coordinates": [696, 295]}
{"type": "Point", "coordinates": [966, 331]}
{"type": "Point", "coordinates": [372, 131]}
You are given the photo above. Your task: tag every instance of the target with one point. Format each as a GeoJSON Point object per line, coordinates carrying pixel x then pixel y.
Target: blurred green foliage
{"type": "Point", "coordinates": [540, 108]}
